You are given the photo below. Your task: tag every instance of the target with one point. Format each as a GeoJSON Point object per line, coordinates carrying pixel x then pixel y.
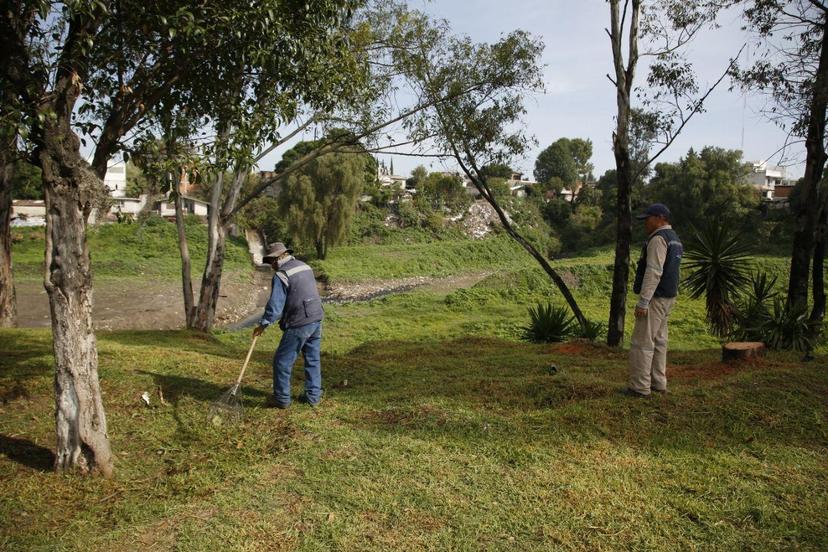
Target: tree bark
{"type": "Point", "coordinates": [8, 303]}
{"type": "Point", "coordinates": [624, 76]}
{"type": "Point", "coordinates": [809, 210]}
{"type": "Point", "coordinates": [70, 188]}
{"type": "Point", "coordinates": [186, 276]}
{"type": "Point", "coordinates": [219, 219]}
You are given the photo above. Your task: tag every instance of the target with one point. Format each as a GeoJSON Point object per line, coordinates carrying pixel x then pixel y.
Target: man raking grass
{"type": "Point", "coordinates": [295, 303]}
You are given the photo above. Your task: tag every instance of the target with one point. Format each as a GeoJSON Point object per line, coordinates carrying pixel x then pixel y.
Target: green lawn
{"type": "Point", "coordinates": [129, 251]}
{"type": "Point", "coordinates": [440, 429]}
{"type": "Point", "coordinates": [461, 444]}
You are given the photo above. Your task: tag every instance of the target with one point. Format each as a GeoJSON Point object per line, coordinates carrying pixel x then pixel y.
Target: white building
{"type": "Point", "coordinates": [765, 177]}
{"type": "Point", "coordinates": [115, 179]}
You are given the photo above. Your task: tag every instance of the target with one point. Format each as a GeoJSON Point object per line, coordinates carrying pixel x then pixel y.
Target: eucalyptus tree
{"type": "Point", "coordinates": [671, 99]}
{"type": "Point", "coordinates": [791, 68]}
{"type": "Point", "coordinates": [480, 128]}
{"type": "Point", "coordinates": [99, 69]}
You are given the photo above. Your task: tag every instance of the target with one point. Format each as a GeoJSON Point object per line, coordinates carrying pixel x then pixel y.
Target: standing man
{"type": "Point", "coordinates": [656, 282]}
{"type": "Point", "coordinates": [295, 303]}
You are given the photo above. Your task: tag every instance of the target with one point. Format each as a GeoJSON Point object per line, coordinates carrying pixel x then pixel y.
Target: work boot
{"type": "Point", "coordinates": [271, 402]}
{"type": "Point", "coordinates": [303, 398]}
{"type": "Point", "coordinates": [635, 394]}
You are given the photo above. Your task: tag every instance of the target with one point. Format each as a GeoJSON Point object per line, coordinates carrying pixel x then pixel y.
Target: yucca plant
{"type": "Point", "coordinates": [718, 263]}
{"type": "Point", "coordinates": [753, 310]}
{"type": "Point", "coordinates": [592, 331]}
{"type": "Point", "coordinates": [788, 327]}
{"type": "Point", "coordinates": [549, 324]}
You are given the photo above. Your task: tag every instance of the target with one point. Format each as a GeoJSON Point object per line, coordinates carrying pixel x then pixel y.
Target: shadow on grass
{"type": "Point", "coordinates": [25, 354]}
{"type": "Point", "coordinates": [176, 387]}
{"type": "Point", "coordinates": [178, 340]}
{"type": "Point", "coordinates": [27, 453]}
{"type": "Point", "coordinates": [411, 387]}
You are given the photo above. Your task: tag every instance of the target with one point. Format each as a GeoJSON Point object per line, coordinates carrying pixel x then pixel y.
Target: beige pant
{"type": "Point", "coordinates": [648, 352]}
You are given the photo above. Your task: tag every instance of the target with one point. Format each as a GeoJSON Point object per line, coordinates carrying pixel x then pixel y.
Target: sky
{"type": "Point", "coordinates": [580, 101]}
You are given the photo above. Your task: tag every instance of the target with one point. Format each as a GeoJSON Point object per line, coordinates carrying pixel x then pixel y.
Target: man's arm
{"type": "Point", "coordinates": [656, 255]}
{"type": "Point", "coordinates": [276, 303]}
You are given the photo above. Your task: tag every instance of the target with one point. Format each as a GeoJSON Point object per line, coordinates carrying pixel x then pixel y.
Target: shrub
{"type": "Point", "coordinates": [549, 324]}
{"type": "Point", "coordinates": [718, 264]}
{"type": "Point", "coordinates": [593, 330]}
{"type": "Point", "coordinates": [788, 327]}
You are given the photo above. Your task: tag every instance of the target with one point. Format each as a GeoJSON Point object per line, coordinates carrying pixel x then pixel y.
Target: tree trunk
{"type": "Point", "coordinates": [485, 192]}
{"type": "Point", "coordinates": [806, 217]}
{"type": "Point", "coordinates": [70, 188]}
{"type": "Point", "coordinates": [186, 277]}
{"type": "Point", "coordinates": [624, 76]}
{"type": "Point", "coordinates": [623, 237]}
{"type": "Point", "coordinates": [219, 219]}
{"type": "Point", "coordinates": [8, 304]}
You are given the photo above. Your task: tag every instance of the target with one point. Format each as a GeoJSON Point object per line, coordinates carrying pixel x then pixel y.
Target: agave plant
{"type": "Point", "coordinates": [788, 327]}
{"type": "Point", "coordinates": [753, 311]}
{"type": "Point", "coordinates": [549, 324]}
{"type": "Point", "coordinates": [718, 262]}
{"type": "Point", "coordinates": [592, 331]}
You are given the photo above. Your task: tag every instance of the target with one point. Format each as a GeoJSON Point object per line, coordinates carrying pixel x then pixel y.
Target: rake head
{"type": "Point", "coordinates": [227, 409]}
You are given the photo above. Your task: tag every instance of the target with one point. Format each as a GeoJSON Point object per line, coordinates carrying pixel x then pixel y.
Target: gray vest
{"type": "Point", "coordinates": [302, 305]}
{"type": "Point", "coordinates": [668, 285]}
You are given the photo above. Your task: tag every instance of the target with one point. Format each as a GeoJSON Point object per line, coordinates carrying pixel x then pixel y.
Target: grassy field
{"type": "Point", "coordinates": [460, 444]}
{"type": "Point", "coordinates": [129, 251]}
{"type": "Point", "coordinates": [439, 430]}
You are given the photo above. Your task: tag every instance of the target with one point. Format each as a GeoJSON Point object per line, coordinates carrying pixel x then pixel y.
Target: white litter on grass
{"type": "Point", "coordinates": [146, 398]}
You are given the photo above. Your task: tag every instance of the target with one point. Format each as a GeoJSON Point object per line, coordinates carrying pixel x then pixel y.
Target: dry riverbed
{"type": "Point", "coordinates": [158, 304]}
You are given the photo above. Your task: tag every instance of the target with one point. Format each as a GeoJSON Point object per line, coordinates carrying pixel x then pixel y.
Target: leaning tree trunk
{"type": "Point", "coordinates": [806, 218]}
{"type": "Point", "coordinates": [70, 189]}
{"type": "Point", "coordinates": [8, 304]}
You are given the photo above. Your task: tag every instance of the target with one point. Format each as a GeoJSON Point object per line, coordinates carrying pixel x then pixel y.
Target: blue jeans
{"type": "Point", "coordinates": [308, 339]}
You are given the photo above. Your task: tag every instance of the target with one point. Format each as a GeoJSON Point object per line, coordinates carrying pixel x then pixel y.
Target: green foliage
{"type": "Point", "coordinates": [497, 170]}
{"type": "Point", "coordinates": [787, 327]}
{"type": "Point", "coordinates": [710, 185]}
{"type": "Point", "coordinates": [140, 251]}
{"type": "Point", "coordinates": [718, 262]}
{"type": "Point", "coordinates": [499, 188]}
{"type": "Point", "coordinates": [752, 308]}
{"type": "Point", "coordinates": [26, 182]}
{"type": "Point", "coordinates": [763, 315]}
{"type": "Point", "coordinates": [318, 201]}
{"type": "Point", "coordinates": [549, 324]}
{"type": "Point", "coordinates": [441, 190]}
{"type": "Point", "coordinates": [594, 330]}
{"type": "Point", "coordinates": [556, 161]}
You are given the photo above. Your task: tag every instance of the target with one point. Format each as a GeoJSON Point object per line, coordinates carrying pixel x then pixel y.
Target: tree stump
{"type": "Point", "coordinates": [742, 350]}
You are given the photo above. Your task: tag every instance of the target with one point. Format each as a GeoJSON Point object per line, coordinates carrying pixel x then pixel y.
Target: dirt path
{"type": "Point", "coordinates": [145, 305]}
{"type": "Point", "coordinates": [158, 305]}
{"type": "Point", "coordinates": [371, 289]}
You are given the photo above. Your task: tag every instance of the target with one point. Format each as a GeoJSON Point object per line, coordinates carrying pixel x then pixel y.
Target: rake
{"type": "Point", "coordinates": [228, 408]}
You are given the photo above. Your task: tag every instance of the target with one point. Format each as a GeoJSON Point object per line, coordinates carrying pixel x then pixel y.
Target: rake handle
{"type": "Point", "coordinates": [247, 360]}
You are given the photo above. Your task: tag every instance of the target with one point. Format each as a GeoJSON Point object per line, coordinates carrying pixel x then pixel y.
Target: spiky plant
{"type": "Point", "coordinates": [549, 324]}
{"type": "Point", "coordinates": [753, 308]}
{"type": "Point", "coordinates": [718, 263]}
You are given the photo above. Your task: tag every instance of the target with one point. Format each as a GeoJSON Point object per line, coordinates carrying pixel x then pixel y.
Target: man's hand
{"type": "Point", "coordinates": [641, 313]}
{"type": "Point", "coordinates": [258, 330]}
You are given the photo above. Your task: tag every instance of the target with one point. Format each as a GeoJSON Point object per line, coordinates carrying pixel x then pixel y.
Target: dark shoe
{"type": "Point", "coordinates": [303, 398]}
{"type": "Point", "coordinates": [271, 402]}
{"type": "Point", "coordinates": [660, 391]}
{"type": "Point", "coordinates": [633, 393]}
